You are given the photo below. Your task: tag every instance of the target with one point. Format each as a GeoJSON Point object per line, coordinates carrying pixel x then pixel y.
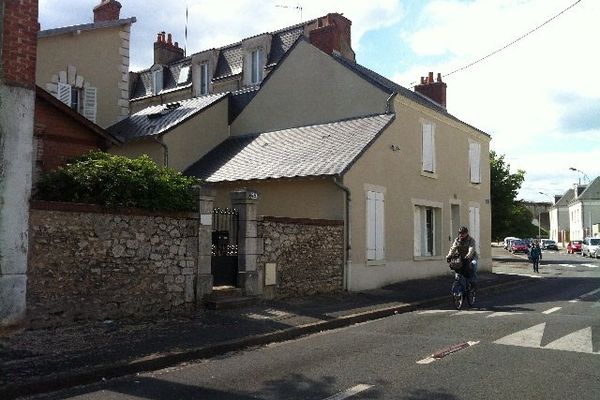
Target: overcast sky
{"type": "Point", "coordinates": [539, 99]}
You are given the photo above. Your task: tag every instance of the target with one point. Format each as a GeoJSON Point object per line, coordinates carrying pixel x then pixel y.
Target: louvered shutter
{"type": "Point", "coordinates": [89, 103]}
{"type": "Point", "coordinates": [371, 224]}
{"type": "Point", "coordinates": [379, 227]}
{"type": "Point", "coordinates": [63, 93]}
{"type": "Point", "coordinates": [428, 149]}
{"type": "Point", "coordinates": [474, 225]}
{"type": "Point", "coordinates": [474, 162]}
{"type": "Point", "coordinates": [417, 232]}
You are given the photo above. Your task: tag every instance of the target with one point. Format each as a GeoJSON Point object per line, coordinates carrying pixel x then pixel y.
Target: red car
{"type": "Point", "coordinates": [574, 246]}
{"type": "Point", "coordinates": [519, 246]}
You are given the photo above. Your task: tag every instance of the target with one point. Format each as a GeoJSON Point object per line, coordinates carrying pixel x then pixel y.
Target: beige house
{"type": "Point", "coordinates": [231, 68]}
{"type": "Point", "coordinates": [87, 66]}
{"type": "Point", "coordinates": [326, 138]}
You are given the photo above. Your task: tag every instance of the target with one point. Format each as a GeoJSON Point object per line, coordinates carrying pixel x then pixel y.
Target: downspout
{"type": "Point", "coordinates": [347, 261]}
{"type": "Point", "coordinates": [160, 141]}
{"type": "Point", "coordinates": [388, 103]}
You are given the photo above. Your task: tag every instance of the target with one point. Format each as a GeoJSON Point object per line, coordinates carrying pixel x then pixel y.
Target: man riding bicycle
{"type": "Point", "coordinates": [465, 246]}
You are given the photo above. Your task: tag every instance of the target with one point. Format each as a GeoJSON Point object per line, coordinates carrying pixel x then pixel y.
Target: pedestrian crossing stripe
{"type": "Point", "coordinates": [590, 265]}
{"type": "Point", "coordinates": [579, 341]}
{"type": "Point", "coordinates": [578, 265]}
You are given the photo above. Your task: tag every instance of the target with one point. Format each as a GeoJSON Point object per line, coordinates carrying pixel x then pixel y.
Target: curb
{"type": "Point", "coordinates": [164, 360]}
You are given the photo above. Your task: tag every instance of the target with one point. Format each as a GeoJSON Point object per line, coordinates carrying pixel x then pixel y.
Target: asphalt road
{"type": "Point", "coordinates": [540, 341]}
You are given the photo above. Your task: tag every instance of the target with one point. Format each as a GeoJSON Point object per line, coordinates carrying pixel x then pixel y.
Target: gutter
{"type": "Point", "coordinates": [337, 179]}
{"type": "Point", "coordinates": [160, 141]}
{"type": "Point", "coordinates": [388, 103]}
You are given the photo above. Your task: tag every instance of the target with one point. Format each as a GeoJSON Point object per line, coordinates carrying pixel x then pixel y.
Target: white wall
{"type": "Point", "coordinates": [16, 138]}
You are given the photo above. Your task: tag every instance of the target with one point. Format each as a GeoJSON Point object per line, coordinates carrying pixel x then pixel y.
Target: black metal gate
{"type": "Point", "coordinates": [224, 261]}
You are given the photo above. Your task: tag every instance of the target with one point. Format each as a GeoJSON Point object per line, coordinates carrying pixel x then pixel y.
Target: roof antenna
{"type": "Point", "coordinates": [297, 7]}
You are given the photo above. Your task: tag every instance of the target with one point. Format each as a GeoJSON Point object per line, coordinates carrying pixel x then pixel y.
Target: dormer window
{"type": "Point", "coordinates": [157, 80]}
{"type": "Point", "coordinates": [256, 67]}
{"type": "Point", "coordinates": [204, 78]}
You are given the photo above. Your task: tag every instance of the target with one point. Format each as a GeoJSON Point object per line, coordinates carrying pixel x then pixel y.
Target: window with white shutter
{"type": "Point", "coordinates": [157, 81]}
{"type": "Point", "coordinates": [204, 78]}
{"type": "Point", "coordinates": [89, 103]}
{"type": "Point", "coordinates": [428, 149]}
{"type": "Point", "coordinates": [475, 162]}
{"type": "Point", "coordinates": [256, 62]}
{"type": "Point", "coordinates": [474, 227]}
{"type": "Point", "coordinates": [63, 93]}
{"type": "Point", "coordinates": [427, 231]}
{"type": "Point", "coordinates": [375, 226]}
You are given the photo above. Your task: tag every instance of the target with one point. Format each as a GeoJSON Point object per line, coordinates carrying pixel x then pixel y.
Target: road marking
{"type": "Point", "coordinates": [470, 312]}
{"type": "Point", "coordinates": [530, 337]}
{"type": "Point", "coordinates": [449, 350]}
{"type": "Point", "coordinates": [568, 265]}
{"type": "Point", "coordinates": [503, 314]}
{"type": "Point", "coordinates": [435, 311]}
{"type": "Point", "coordinates": [590, 265]}
{"type": "Point", "coordinates": [588, 294]}
{"type": "Point", "coordinates": [518, 274]}
{"type": "Point", "coordinates": [350, 392]}
{"type": "Point", "coordinates": [580, 341]}
{"type": "Point", "coordinates": [551, 310]}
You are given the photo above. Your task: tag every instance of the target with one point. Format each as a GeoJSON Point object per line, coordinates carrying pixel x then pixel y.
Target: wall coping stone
{"type": "Point", "coordinates": [301, 221]}
{"type": "Point", "coordinates": [97, 209]}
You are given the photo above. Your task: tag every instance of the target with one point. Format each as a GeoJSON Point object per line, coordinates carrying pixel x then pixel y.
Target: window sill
{"type": "Point", "coordinates": [375, 263]}
{"type": "Point", "coordinates": [432, 175]}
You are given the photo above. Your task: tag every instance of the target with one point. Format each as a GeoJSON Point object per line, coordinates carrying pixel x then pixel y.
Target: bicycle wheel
{"type": "Point", "coordinates": [457, 295]}
{"type": "Point", "coordinates": [471, 295]}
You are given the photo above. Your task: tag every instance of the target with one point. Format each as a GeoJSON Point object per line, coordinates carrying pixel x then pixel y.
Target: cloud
{"type": "Point", "coordinates": [580, 114]}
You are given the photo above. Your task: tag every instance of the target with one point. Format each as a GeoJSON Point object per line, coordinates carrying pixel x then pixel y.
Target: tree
{"type": "Point", "coordinates": [115, 181]}
{"type": "Point", "coordinates": [509, 217]}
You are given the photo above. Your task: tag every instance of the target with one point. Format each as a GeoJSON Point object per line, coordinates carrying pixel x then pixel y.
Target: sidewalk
{"type": "Point", "coordinates": [39, 361]}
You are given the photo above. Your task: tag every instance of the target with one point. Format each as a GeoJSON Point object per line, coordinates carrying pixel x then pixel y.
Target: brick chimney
{"type": "Point", "coordinates": [18, 42]}
{"type": "Point", "coordinates": [107, 10]}
{"type": "Point", "coordinates": [332, 33]}
{"type": "Point", "coordinates": [435, 90]}
{"type": "Point", "coordinates": [165, 51]}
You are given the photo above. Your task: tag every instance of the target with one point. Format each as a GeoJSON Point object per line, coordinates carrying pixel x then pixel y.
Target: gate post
{"type": "Point", "coordinates": [204, 278]}
{"type": "Point", "coordinates": [245, 201]}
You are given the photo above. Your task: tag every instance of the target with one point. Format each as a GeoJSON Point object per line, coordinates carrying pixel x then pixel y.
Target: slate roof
{"type": "Point", "coordinates": [565, 199]}
{"type": "Point", "coordinates": [316, 150]}
{"type": "Point", "coordinates": [85, 27]}
{"type": "Point", "coordinates": [592, 191]}
{"type": "Point", "coordinates": [229, 61]}
{"type": "Point", "coordinates": [390, 87]}
{"type": "Point", "coordinates": [159, 119]}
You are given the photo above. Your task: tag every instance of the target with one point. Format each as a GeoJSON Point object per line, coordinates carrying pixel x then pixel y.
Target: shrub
{"type": "Point", "coordinates": [115, 181]}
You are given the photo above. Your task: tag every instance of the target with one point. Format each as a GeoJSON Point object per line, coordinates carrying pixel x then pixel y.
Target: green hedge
{"type": "Point", "coordinates": [115, 181]}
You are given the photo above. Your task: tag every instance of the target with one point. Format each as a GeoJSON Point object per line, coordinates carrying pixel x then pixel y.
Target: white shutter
{"type": "Point", "coordinates": [157, 81]}
{"type": "Point", "coordinates": [89, 103]}
{"type": "Point", "coordinates": [371, 224]}
{"type": "Point", "coordinates": [379, 227]}
{"type": "Point", "coordinates": [474, 225]}
{"type": "Point", "coordinates": [474, 162]}
{"type": "Point", "coordinates": [63, 93]}
{"type": "Point", "coordinates": [417, 232]}
{"type": "Point", "coordinates": [428, 148]}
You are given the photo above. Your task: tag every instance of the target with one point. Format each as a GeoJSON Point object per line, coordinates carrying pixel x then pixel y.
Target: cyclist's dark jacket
{"type": "Point", "coordinates": [466, 247]}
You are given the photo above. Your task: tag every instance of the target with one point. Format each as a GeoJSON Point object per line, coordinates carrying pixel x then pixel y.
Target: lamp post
{"type": "Point", "coordinates": [585, 177]}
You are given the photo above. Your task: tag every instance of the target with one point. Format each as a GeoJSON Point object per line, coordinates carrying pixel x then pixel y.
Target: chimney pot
{"type": "Point", "coordinates": [177, 44]}
{"type": "Point", "coordinates": [332, 33]}
{"type": "Point", "coordinates": [430, 80]}
{"type": "Point", "coordinates": [422, 80]}
{"type": "Point", "coordinates": [169, 39]}
{"type": "Point", "coordinates": [439, 77]}
{"type": "Point", "coordinates": [436, 91]}
{"type": "Point", "coordinates": [107, 10]}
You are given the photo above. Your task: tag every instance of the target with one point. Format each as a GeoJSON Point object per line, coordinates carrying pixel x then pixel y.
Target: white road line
{"type": "Point", "coordinates": [551, 310]}
{"type": "Point", "coordinates": [470, 312]}
{"type": "Point", "coordinates": [431, 359]}
{"type": "Point", "coordinates": [590, 265]}
{"type": "Point", "coordinates": [503, 314]}
{"type": "Point", "coordinates": [350, 392]}
{"type": "Point", "coordinates": [517, 274]}
{"type": "Point", "coordinates": [435, 311]}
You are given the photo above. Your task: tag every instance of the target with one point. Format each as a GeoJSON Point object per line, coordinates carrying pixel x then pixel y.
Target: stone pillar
{"type": "Point", "coordinates": [245, 201]}
{"type": "Point", "coordinates": [204, 278]}
{"type": "Point", "coordinates": [18, 41]}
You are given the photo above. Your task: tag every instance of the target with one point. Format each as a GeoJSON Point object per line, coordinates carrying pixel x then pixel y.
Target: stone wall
{"type": "Point", "coordinates": [85, 263]}
{"type": "Point", "coordinates": [308, 255]}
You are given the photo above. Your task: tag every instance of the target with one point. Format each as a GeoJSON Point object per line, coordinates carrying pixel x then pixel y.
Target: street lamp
{"type": "Point", "coordinates": [585, 177]}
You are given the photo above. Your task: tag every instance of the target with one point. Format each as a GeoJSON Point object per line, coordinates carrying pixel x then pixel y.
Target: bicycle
{"type": "Point", "coordinates": [461, 287]}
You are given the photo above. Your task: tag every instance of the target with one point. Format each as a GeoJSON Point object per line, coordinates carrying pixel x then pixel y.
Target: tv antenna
{"type": "Point", "coordinates": [297, 7]}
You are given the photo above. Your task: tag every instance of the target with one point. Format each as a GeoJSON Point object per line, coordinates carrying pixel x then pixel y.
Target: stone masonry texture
{"type": "Point", "coordinates": [308, 254]}
{"type": "Point", "coordinates": [90, 265]}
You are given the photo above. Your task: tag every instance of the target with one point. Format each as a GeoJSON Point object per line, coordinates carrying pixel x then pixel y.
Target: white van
{"type": "Point", "coordinates": [507, 241]}
{"type": "Point", "coordinates": [590, 247]}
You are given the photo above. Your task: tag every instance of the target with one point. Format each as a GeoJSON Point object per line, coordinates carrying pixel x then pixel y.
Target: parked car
{"type": "Point", "coordinates": [548, 244]}
{"type": "Point", "coordinates": [574, 246]}
{"type": "Point", "coordinates": [508, 240]}
{"type": "Point", "coordinates": [519, 246]}
{"type": "Point", "coordinates": [590, 246]}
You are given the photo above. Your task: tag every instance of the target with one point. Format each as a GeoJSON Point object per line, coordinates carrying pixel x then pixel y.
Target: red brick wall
{"type": "Point", "coordinates": [59, 137]}
{"type": "Point", "coordinates": [19, 42]}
